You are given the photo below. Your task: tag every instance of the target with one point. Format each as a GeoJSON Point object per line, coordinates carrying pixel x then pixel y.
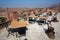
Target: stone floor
{"type": "Point", "coordinates": [34, 32]}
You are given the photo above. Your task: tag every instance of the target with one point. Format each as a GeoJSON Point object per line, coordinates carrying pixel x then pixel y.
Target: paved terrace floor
{"type": "Point", "coordinates": [34, 32]}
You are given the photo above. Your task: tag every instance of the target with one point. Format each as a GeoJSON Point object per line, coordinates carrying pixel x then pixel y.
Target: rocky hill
{"type": "Point", "coordinates": [55, 7]}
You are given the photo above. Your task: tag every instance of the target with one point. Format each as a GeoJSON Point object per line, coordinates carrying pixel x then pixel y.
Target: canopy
{"type": "Point", "coordinates": [18, 24]}
{"type": "Point", "coordinates": [33, 16]}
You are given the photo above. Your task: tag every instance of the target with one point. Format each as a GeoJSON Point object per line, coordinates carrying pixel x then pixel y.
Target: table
{"type": "Point", "coordinates": [18, 27]}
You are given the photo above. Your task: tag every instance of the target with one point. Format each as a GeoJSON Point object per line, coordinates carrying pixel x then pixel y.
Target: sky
{"type": "Point", "coordinates": [27, 3]}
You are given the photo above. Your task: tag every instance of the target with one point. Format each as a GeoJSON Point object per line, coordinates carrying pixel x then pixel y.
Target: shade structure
{"type": "Point", "coordinates": [18, 24]}
{"type": "Point", "coordinates": [33, 16]}
{"type": "Point", "coordinates": [43, 17]}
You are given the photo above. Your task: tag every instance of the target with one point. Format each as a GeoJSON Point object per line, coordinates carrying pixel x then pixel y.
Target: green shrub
{"type": "Point", "coordinates": [2, 19]}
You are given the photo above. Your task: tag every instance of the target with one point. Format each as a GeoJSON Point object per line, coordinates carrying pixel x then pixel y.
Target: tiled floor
{"type": "Point", "coordinates": [34, 32]}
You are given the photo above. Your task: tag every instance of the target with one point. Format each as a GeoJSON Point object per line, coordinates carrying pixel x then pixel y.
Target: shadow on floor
{"type": "Point", "coordinates": [50, 33]}
{"type": "Point", "coordinates": [55, 20]}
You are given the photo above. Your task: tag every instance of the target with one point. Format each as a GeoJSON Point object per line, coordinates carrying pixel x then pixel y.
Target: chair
{"type": "Point", "coordinates": [31, 20]}
{"type": "Point", "coordinates": [40, 22]}
{"type": "Point", "coordinates": [12, 32]}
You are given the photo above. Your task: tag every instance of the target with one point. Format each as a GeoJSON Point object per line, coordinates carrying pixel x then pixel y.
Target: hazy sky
{"type": "Point", "coordinates": [27, 3]}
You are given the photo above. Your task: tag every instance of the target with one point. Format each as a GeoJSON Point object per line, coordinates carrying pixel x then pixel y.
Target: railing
{"type": "Point", "coordinates": [4, 24]}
